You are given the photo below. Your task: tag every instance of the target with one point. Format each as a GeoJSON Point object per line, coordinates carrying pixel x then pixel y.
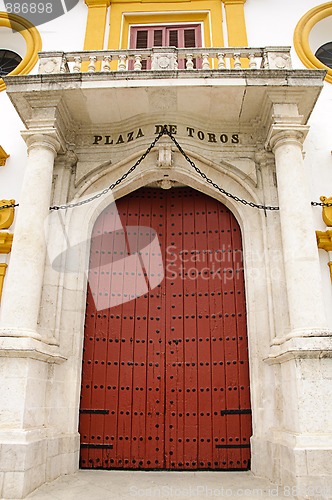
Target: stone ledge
{"type": "Point", "coordinates": [309, 76]}
{"type": "Point", "coordinates": [314, 346]}
{"type": "Point", "coordinates": [22, 347]}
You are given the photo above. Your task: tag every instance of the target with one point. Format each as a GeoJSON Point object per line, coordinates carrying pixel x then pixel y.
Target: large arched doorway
{"type": "Point", "coordinates": [165, 382]}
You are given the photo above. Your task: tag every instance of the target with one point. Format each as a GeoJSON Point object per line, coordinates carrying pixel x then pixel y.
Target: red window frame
{"type": "Point", "coordinates": [166, 34]}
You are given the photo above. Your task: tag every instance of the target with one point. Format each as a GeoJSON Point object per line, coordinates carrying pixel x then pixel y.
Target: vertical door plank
{"type": "Point", "coordinates": [187, 256]}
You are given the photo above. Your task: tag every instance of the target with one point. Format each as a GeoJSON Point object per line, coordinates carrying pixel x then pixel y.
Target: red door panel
{"type": "Point", "coordinates": [165, 382]}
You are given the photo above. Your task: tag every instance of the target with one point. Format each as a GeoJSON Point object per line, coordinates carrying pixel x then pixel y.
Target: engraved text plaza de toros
{"type": "Point", "coordinates": [133, 135]}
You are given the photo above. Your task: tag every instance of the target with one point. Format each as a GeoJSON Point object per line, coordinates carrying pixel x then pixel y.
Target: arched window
{"type": "Point", "coordinates": [8, 61]}
{"type": "Point", "coordinates": [20, 45]}
{"type": "Point", "coordinates": [311, 39]}
{"type": "Point", "coordinates": [324, 54]}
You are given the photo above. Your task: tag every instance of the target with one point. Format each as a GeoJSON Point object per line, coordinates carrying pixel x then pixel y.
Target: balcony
{"type": "Point", "coordinates": [217, 91]}
{"type": "Point", "coordinates": [166, 59]}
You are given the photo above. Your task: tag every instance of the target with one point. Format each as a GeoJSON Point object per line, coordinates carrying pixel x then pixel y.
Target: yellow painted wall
{"type": "Point", "coordinates": [140, 12]}
{"type": "Point", "coordinates": [124, 14]}
{"type": "Point", "coordinates": [235, 20]}
{"type": "Point", "coordinates": [96, 24]}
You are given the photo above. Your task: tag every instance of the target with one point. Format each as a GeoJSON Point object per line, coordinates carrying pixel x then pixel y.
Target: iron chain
{"type": "Point", "coordinates": [320, 204]}
{"type": "Point", "coordinates": [165, 131]}
{"type": "Point", "coordinates": [9, 206]}
{"type": "Point", "coordinates": [210, 181]}
{"type": "Point", "coordinates": [116, 183]}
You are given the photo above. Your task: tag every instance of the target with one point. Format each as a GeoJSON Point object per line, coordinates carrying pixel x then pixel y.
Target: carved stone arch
{"type": "Point", "coordinates": [252, 223]}
{"type": "Point", "coordinates": [225, 178]}
{"type": "Point", "coordinates": [71, 287]}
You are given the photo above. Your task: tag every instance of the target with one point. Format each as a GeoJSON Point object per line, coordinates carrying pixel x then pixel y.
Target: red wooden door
{"type": "Point", "coordinates": [165, 382]}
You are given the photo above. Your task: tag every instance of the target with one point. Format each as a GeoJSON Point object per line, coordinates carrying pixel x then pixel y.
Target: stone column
{"type": "Point", "coordinates": [21, 302]}
{"type": "Point", "coordinates": [300, 254]}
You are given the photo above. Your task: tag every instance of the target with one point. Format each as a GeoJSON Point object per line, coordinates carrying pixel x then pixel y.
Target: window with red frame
{"type": "Point", "coordinates": [180, 36]}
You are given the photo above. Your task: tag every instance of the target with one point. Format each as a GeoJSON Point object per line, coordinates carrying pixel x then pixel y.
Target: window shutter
{"type": "Point", "coordinates": [179, 36]}
{"type": "Point", "coordinates": [189, 38]}
{"type": "Point", "coordinates": [142, 40]}
{"type": "Point", "coordinates": [173, 38]}
{"type": "Point", "coordinates": [158, 38]}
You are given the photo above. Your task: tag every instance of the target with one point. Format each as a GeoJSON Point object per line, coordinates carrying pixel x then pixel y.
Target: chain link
{"type": "Point", "coordinates": [9, 206]}
{"type": "Point", "coordinates": [210, 181]}
{"type": "Point", "coordinates": [320, 204]}
{"type": "Point", "coordinates": [116, 183]}
{"type": "Point", "coordinates": [163, 132]}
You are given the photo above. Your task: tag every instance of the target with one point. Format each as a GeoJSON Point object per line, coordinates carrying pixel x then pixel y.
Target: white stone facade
{"type": "Point", "coordinates": [280, 157]}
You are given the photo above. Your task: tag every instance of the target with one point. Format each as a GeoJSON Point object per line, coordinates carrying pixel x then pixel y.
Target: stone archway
{"type": "Point", "coordinates": [165, 381]}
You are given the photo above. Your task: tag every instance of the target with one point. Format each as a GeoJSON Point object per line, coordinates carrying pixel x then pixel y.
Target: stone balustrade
{"type": "Point", "coordinates": [166, 58]}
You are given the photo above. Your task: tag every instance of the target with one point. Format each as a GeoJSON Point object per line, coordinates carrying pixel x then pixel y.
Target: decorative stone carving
{"type": "Point", "coordinates": [165, 159]}
{"type": "Point", "coordinates": [277, 58]}
{"type": "Point", "coordinates": [138, 63]}
{"type": "Point", "coordinates": [122, 62]}
{"type": "Point", "coordinates": [52, 63]}
{"type": "Point", "coordinates": [71, 160]}
{"type": "Point", "coordinates": [92, 64]}
{"type": "Point", "coordinates": [165, 183]}
{"type": "Point", "coordinates": [164, 60]}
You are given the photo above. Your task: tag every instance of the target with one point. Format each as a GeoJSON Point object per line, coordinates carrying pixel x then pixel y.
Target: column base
{"type": "Point", "coordinates": [300, 464]}
{"type": "Point", "coordinates": [305, 346]}
{"type": "Point", "coordinates": [7, 331]}
{"type": "Point", "coordinates": [15, 345]}
{"type": "Point", "coordinates": [31, 458]}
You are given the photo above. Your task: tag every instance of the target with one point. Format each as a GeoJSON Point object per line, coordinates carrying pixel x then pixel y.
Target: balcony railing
{"type": "Point", "coordinates": [165, 59]}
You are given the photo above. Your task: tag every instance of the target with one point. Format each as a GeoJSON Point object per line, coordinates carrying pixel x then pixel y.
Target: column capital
{"type": "Point", "coordinates": [48, 139]}
{"type": "Point", "coordinates": [280, 134]}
